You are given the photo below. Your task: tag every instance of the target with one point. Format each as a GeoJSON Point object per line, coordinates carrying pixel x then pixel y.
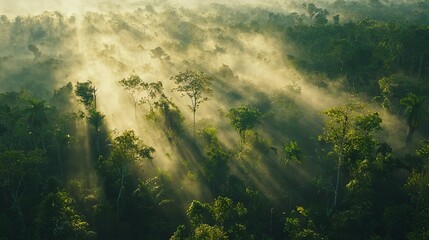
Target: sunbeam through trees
{"type": "Point", "coordinates": [192, 120]}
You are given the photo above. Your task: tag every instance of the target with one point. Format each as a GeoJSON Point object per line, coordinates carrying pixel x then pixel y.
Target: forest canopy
{"type": "Point", "coordinates": [187, 120]}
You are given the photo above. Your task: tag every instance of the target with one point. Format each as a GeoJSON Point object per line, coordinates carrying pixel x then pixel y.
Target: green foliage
{"type": "Point", "coordinates": [20, 176]}
{"type": "Point", "coordinates": [159, 53]}
{"type": "Point", "coordinates": [85, 198]}
{"type": "Point", "coordinates": [292, 153]}
{"type": "Point", "coordinates": [36, 115]}
{"type": "Point", "coordinates": [35, 50]}
{"type": "Point", "coordinates": [224, 211]}
{"type": "Point", "coordinates": [422, 233]}
{"type": "Point", "coordinates": [318, 15]}
{"type": "Point", "coordinates": [16, 166]}
{"type": "Point", "coordinates": [360, 50]}
{"type": "Point", "coordinates": [133, 84]}
{"type": "Point", "coordinates": [417, 188]}
{"type": "Point", "coordinates": [85, 91]}
{"type": "Point", "coordinates": [171, 118]}
{"type": "Point", "coordinates": [180, 233]}
{"type": "Point", "coordinates": [143, 92]}
{"type": "Point", "coordinates": [195, 85]}
{"type": "Point", "coordinates": [300, 226]}
{"type": "Point", "coordinates": [418, 181]}
{"type": "Point", "coordinates": [244, 118]}
{"type": "Point", "coordinates": [386, 86]}
{"type": "Point", "coordinates": [350, 130]}
{"type": "Point", "coordinates": [414, 113]}
{"type": "Point", "coordinates": [37, 120]}
{"type": "Point", "coordinates": [127, 149]}
{"type": "Point", "coordinates": [198, 213]}
{"type": "Point", "coordinates": [153, 210]}
{"type": "Point", "coordinates": [95, 118]}
{"type": "Point", "coordinates": [58, 219]}
{"type": "Point", "coordinates": [413, 109]}
{"type": "Point", "coordinates": [376, 49]}
{"type": "Point", "coordinates": [63, 95]}
{"type": "Point", "coordinates": [215, 166]}
{"type": "Point", "coordinates": [154, 91]}
{"type": "Point", "coordinates": [206, 232]}
{"type": "Point", "coordinates": [222, 218]}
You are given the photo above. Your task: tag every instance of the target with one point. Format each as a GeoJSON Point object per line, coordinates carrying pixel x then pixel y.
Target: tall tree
{"type": "Point", "coordinates": [414, 112]}
{"type": "Point", "coordinates": [154, 93]}
{"type": "Point", "coordinates": [349, 128]}
{"type": "Point", "coordinates": [141, 91]}
{"type": "Point", "coordinates": [37, 119]}
{"type": "Point", "coordinates": [134, 85]}
{"type": "Point", "coordinates": [19, 172]}
{"type": "Point", "coordinates": [195, 85]}
{"type": "Point", "coordinates": [418, 191]}
{"type": "Point", "coordinates": [126, 149]}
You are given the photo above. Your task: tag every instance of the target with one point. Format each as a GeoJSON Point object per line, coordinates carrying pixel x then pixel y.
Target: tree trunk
{"type": "Point", "coordinates": [16, 198]}
{"type": "Point", "coordinates": [34, 141]}
{"type": "Point", "coordinates": [17, 206]}
{"type": "Point", "coordinates": [340, 160]}
{"type": "Point", "coordinates": [60, 162]}
{"type": "Point", "coordinates": [337, 183]}
{"type": "Point", "coordinates": [120, 190]}
{"type": "Point", "coordinates": [342, 64]}
{"type": "Point", "coordinates": [97, 141]}
{"type": "Point", "coordinates": [243, 137]}
{"type": "Point", "coordinates": [420, 66]}
{"type": "Point", "coordinates": [43, 141]}
{"type": "Point", "coordinates": [95, 98]}
{"type": "Point", "coordinates": [195, 110]}
{"type": "Point", "coordinates": [410, 134]}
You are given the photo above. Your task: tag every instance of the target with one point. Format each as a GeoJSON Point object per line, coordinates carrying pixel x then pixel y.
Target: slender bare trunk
{"type": "Point", "coordinates": [420, 66]}
{"type": "Point", "coordinates": [195, 110]}
{"type": "Point", "coordinates": [95, 98]}
{"type": "Point", "coordinates": [242, 138]}
{"type": "Point", "coordinates": [16, 197]}
{"type": "Point", "coordinates": [43, 141]}
{"type": "Point", "coordinates": [420, 198]}
{"type": "Point", "coordinates": [342, 64]}
{"type": "Point", "coordinates": [34, 140]}
{"type": "Point", "coordinates": [337, 182]}
{"type": "Point", "coordinates": [150, 105]}
{"type": "Point", "coordinates": [60, 162]}
{"type": "Point", "coordinates": [340, 160]}
{"type": "Point", "coordinates": [97, 141]}
{"type": "Point", "coordinates": [122, 171]}
{"type": "Point", "coordinates": [410, 135]}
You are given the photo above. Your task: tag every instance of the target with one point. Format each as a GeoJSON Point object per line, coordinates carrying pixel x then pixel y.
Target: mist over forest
{"type": "Point", "coordinates": [189, 120]}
